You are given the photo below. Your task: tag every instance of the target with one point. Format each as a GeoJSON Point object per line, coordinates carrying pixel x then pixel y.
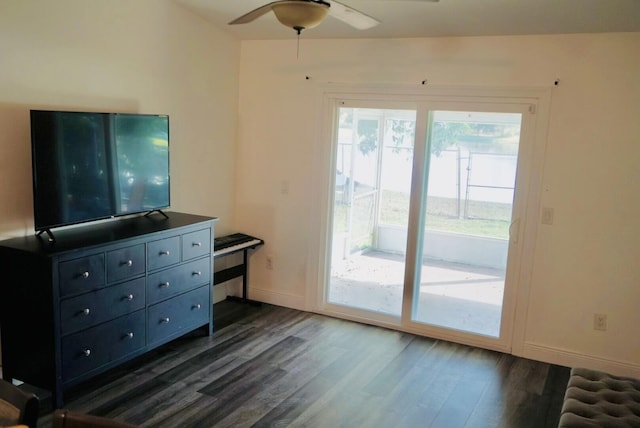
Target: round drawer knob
{"type": "Point", "coordinates": [196, 244]}
{"type": "Point", "coordinates": [130, 335]}
{"type": "Point", "coordinates": [165, 284]}
{"type": "Point", "coordinates": [164, 253]}
{"type": "Point", "coordinates": [86, 352]}
{"type": "Point", "coordinates": [85, 274]}
{"type": "Point", "coordinates": [196, 306]}
{"type": "Point", "coordinates": [165, 320]}
{"type": "Point", "coordinates": [128, 263]}
{"type": "Point", "coordinates": [129, 297]}
{"type": "Point", "coordinates": [86, 311]}
{"type": "Point", "coordinates": [197, 273]}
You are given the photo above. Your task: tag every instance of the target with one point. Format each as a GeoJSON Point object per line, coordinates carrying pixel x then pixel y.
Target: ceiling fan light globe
{"type": "Point", "coordinates": [300, 14]}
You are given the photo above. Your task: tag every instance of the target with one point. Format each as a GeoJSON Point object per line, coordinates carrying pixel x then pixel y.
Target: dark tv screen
{"type": "Point", "coordinates": [90, 166]}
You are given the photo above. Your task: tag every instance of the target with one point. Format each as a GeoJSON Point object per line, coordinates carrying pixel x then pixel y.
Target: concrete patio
{"type": "Point", "coordinates": [452, 295]}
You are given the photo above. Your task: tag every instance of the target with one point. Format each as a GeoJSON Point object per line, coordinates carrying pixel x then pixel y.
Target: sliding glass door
{"type": "Point", "coordinates": [423, 230]}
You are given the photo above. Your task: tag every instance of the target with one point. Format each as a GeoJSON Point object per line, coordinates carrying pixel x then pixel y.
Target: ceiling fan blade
{"type": "Point", "coordinates": [351, 16]}
{"type": "Point", "coordinates": [254, 14]}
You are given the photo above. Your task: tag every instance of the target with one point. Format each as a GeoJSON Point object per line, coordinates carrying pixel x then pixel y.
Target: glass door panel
{"type": "Point", "coordinates": [465, 221]}
{"type": "Point", "coordinates": [371, 204]}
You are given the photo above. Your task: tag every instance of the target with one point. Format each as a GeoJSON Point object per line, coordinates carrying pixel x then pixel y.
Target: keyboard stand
{"type": "Point", "coordinates": [242, 269]}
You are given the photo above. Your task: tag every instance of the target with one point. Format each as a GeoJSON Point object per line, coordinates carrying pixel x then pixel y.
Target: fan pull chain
{"type": "Point", "coordinates": [298, 30]}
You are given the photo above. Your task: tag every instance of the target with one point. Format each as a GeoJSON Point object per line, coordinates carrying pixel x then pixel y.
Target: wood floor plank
{"type": "Point", "coordinates": [394, 372]}
{"type": "Point", "coordinates": [268, 366]}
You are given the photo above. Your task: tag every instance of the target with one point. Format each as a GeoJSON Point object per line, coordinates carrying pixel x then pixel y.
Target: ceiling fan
{"type": "Point", "coordinates": [303, 14]}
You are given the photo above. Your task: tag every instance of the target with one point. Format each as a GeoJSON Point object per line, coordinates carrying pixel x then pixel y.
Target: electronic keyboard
{"type": "Point", "coordinates": [234, 242]}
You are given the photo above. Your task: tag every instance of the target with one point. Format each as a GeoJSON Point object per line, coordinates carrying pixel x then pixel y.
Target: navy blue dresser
{"type": "Point", "coordinates": [102, 294]}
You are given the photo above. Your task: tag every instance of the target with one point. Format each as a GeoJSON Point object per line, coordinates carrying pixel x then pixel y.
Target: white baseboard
{"type": "Point", "coordinates": [568, 358]}
{"type": "Point", "coordinates": [293, 301]}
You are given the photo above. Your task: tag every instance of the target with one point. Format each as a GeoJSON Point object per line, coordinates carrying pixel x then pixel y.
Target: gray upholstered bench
{"type": "Point", "coordinates": [597, 399]}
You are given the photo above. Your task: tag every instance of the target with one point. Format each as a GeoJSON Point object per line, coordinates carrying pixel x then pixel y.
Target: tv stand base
{"type": "Point", "coordinates": [48, 232]}
{"type": "Point", "coordinates": [156, 211]}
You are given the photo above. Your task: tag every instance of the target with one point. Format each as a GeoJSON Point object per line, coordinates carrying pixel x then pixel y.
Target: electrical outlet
{"type": "Point", "coordinates": [600, 322]}
{"type": "Point", "coordinates": [269, 262]}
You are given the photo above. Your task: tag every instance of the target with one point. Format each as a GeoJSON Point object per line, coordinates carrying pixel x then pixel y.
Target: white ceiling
{"type": "Point", "coordinates": [415, 18]}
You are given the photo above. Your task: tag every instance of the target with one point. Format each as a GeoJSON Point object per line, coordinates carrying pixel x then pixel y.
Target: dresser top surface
{"type": "Point", "coordinates": [101, 233]}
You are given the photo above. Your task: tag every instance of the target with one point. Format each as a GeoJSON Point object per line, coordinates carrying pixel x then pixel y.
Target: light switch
{"type": "Point", "coordinates": [547, 215]}
{"type": "Point", "coordinates": [284, 187]}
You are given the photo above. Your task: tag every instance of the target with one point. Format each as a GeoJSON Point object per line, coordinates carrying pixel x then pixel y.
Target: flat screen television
{"type": "Point", "coordinates": [90, 166]}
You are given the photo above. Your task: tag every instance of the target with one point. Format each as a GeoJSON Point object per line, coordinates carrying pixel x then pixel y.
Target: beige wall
{"type": "Point", "coordinates": [585, 263]}
{"type": "Point", "coordinates": [147, 56]}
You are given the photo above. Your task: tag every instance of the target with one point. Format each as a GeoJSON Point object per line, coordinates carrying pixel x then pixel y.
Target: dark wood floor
{"type": "Point", "coordinates": [267, 366]}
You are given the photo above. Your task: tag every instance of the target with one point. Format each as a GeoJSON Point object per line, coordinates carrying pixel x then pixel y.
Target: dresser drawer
{"type": "Point", "coordinates": [81, 275]}
{"type": "Point", "coordinates": [170, 282]}
{"type": "Point", "coordinates": [163, 253]}
{"type": "Point", "coordinates": [196, 244]}
{"type": "Point", "coordinates": [93, 308]}
{"type": "Point", "coordinates": [183, 312]}
{"type": "Point", "coordinates": [125, 263]}
{"type": "Point", "coordinates": [97, 346]}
